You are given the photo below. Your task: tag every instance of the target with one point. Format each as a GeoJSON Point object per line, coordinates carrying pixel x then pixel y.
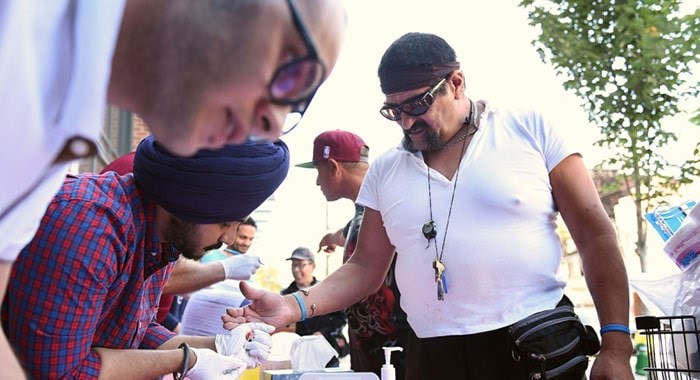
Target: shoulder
{"type": "Point", "coordinates": [214, 255]}
{"type": "Point", "coordinates": [390, 160]}
{"type": "Point", "coordinates": [520, 116]}
{"type": "Point", "coordinates": [289, 289]}
{"type": "Point", "coordinates": [107, 202]}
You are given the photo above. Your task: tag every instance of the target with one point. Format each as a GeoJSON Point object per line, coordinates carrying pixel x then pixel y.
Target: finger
{"type": "Point", "coordinates": [257, 349]}
{"type": "Point", "coordinates": [258, 355]}
{"type": "Point", "coordinates": [230, 325]}
{"type": "Point", "coordinates": [231, 322]}
{"type": "Point", "coordinates": [262, 337]}
{"type": "Point", "coordinates": [239, 318]}
{"type": "Point", "coordinates": [234, 312]}
{"type": "Point", "coordinates": [250, 292]}
{"type": "Point", "coordinates": [262, 340]}
{"type": "Point", "coordinates": [269, 329]}
{"type": "Point", "coordinates": [232, 366]}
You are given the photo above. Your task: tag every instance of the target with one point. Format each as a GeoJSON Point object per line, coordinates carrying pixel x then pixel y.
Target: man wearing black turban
{"type": "Point", "coordinates": [106, 247]}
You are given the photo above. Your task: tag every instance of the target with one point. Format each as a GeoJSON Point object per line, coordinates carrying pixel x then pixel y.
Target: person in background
{"type": "Point", "coordinates": [341, 159]}
{"type": "Point", "coordinates": [329, 325]}
{"type": "Point", "coordinates": [243, 237]}
{"type": "Point", "coordinates": [200, 311]}
{"type": "Point", "coordinates": [105, 249]}
{"type": "Point", "coordinates": [62, 61]}
{"type": "Point", "coordinates": [245, 233]}
{"type": "Point", "coordinates": [468, 203]}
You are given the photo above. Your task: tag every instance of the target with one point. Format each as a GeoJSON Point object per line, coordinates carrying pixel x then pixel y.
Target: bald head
{"type": "Point", "coordinates": [198, 72]}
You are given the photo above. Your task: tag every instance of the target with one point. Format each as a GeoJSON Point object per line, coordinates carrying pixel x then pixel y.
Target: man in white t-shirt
{"type": "Point", "coordinates": [468, 202]}
{"type": "Point", "coordinates": [200, 73]}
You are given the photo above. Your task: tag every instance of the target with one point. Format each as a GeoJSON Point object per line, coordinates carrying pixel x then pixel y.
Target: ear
{"type": "Point", "coordinates": [334, 166]}
{"type": "Point", "coordinates": [458, 84]}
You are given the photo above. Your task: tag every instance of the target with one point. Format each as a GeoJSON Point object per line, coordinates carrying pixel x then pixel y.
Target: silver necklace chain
{"type": "Point", "coordinates": [473, 111]}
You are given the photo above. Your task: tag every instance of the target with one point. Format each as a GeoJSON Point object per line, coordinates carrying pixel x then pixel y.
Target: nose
{"type": "Point", "coordinates": [268, 121]}
{"type": "Point", "coordinates": [406, 121]}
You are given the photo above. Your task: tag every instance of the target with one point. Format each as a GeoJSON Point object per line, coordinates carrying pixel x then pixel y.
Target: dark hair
{"type": "Point", "coordinates": [416, 49]}
{"type": "Point", "coordinates": [249, 221]}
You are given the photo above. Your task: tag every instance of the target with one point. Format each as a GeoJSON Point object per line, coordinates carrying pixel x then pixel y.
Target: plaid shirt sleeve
{"type": "Point", "coordinates": [58, 289]}
{"type": "Point", "coordinates": [155, 336]}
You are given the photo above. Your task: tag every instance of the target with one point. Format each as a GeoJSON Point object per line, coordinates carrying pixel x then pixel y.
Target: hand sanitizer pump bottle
{"type": "Point", "coordinates": [388, 371]}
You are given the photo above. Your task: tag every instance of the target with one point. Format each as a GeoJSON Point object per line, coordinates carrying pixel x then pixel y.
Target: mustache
{"type": "Point", "coordinates": [417, 127]}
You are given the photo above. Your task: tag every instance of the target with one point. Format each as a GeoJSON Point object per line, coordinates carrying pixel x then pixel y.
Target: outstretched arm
{"type": "Point", "coordinates": [189, 275]}
{"type": "Point", "coordinates": [366, 270]}
{"type": "Point", "coordinates": [596, 240]}
{"type": "Point", "coordinates": [209, 357]}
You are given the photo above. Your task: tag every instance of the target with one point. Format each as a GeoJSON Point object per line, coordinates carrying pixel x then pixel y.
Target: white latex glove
{"type": "Point", "coordinates": [211, 365]}
{"type": "Point", "coordinates": [249, 342]}
{"type": "Point", "coordinates": [240, 267]}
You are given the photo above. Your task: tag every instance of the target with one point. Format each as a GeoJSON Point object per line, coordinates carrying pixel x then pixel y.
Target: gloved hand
{"type": "Point", "coordinates": [249, 342]}
{"type": "Point", "coordinates": [211, 365]}
{"type": "Point", "coordinates": [240, 267]}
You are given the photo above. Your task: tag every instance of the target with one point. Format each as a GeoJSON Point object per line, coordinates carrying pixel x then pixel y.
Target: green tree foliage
{"type": "Point", "coordinates": [630, 61]}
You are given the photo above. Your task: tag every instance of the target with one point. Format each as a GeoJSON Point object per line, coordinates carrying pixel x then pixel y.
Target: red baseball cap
{"type": "Point", "coordinates": [339, 145]}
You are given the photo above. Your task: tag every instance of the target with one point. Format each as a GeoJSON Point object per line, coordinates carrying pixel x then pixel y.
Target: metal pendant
{"type": "Point", "coordinates": [440, 279]}
{"type": "Point", "coordinates": [429, 230]}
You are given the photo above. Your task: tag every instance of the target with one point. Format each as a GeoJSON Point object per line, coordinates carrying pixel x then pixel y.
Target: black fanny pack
{"type": "Point", "coordinates": [553, 344]}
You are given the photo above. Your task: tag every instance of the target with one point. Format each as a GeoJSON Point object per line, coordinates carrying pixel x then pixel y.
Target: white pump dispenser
{"type": "Point", "coordinates": [388, 371]}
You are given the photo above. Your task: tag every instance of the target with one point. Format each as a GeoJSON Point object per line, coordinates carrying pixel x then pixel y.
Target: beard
{"type": "Point", "coordinates": [432, 138]}
{"type": "Point", "coordinates": [183, 236]}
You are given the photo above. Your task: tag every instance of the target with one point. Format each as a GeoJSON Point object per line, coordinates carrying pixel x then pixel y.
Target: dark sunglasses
{"type": "Point", "coordinates": [296, 82]}
{"type": "Point", "coordinates": [414, 106]}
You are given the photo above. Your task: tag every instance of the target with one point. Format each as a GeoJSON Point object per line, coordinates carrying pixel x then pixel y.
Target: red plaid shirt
{"type": "Point", "coordinates": [91, 277]}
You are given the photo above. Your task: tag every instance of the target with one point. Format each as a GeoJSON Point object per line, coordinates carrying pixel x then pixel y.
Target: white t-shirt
{"type": "Point", "coordinates": [501, 253]}
{"type": "Point", "coordinates": [202, 315]}
{"type": "Point", "coordinates": [55, 61]}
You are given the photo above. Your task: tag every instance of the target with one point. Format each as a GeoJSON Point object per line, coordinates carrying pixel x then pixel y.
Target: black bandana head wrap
{"type": "Point", "coordinates": [213, 186]}
{"type": "Point", "coordinates": [416, 60]}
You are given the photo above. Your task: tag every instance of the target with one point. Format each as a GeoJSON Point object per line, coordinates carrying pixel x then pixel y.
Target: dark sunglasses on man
{"type": "Point", "coordinates": [295, 83]}
{"type": "Point", "coordinates": [414, 106]}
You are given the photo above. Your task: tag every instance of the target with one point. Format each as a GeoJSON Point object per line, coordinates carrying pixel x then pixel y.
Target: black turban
{"type": "Point", "coordinates": [412, 77]}
{"type": "Point", "coordinates": [213, 186]}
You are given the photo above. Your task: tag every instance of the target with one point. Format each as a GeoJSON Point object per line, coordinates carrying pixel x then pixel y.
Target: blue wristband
{"type": "Point", "coordinates": [615, 327]}
{"type": "Point", "coordinates": [302, 305]}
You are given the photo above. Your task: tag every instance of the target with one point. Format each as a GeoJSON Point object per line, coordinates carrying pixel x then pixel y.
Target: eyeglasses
{"type": "Point", "coordinates": [295, 83]}
{"type": "Point", "coordinates": [414, 106]}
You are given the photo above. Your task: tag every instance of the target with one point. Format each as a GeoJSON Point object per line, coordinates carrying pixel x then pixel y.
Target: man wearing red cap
{"type": "Point", "coordinates": [376, 321]}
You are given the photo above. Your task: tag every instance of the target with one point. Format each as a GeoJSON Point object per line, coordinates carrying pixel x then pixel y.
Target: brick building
{"type": "Point", "coordinates": [121, 132]}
